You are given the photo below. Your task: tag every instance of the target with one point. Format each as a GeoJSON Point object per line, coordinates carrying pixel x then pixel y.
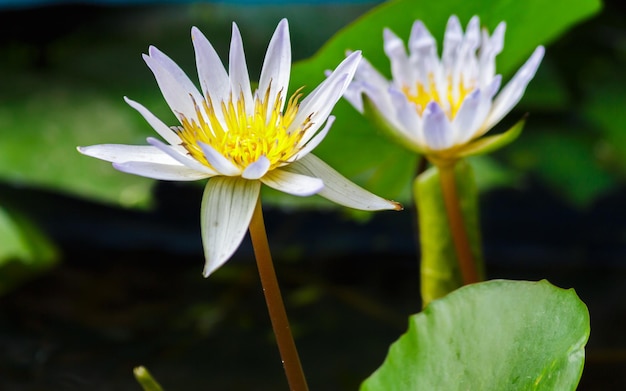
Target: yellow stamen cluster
{"type": "Point", "coordinates": [427, 93]}
{"type": "Point", "coordinates": [243, 138]}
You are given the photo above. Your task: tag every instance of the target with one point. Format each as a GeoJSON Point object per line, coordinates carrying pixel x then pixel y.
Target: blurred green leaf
{"type": "Point", "coordinates": [606, 110]}
{"type": "Point", "coordinates": [439, 266]}
{"type": "Point", "coordinates": [566, 162]}
{"type": "Point", "coordinates": [354, 147]}
{"type": "Point", "coordinates": [24, 250]}
{"type": "Point", "coordinates": [494, 142]}
{"type": "Point", "coordinates": [496, 335]}
{"type": "Point", "coordinates": [39, 135]}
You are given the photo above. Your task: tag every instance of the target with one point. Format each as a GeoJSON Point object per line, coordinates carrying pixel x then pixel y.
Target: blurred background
{"type": "Point", "coordinates": [101, 271]}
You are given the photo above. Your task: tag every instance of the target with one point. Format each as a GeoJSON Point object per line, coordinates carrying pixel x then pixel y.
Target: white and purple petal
{"type": "Point", "coordinates": [437, 129]}
{"type": "Point", "coordinates": [257, 169]}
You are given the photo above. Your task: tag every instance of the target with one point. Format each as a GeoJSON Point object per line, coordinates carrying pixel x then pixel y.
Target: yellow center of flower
{"type": "Point", "coordinates": [241, 137]}
{"type": "Point", "coordinates": [425, 94]}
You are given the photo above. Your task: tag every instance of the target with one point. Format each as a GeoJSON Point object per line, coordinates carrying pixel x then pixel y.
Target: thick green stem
{"type": "Point", "coordinates": [275, 306]}
{"type": "Point", "coordinates": [467, 264]}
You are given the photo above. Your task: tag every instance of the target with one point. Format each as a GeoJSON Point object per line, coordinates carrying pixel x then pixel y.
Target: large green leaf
{"type": "Point", "coordinates": [25, 251]}
{"type": "Point", "coordinates": [493, 336]}
{"type": "Point", "coordinates": [354, 146]}
{"type": "Point", "coordinates": [439, 266]}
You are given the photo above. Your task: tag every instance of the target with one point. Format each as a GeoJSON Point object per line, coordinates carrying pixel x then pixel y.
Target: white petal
{"type": "Point", "coordinates": [464, 123]}
{"type": "Point", "coordinates": [211, 73]}
{"type": "Point", "coordinates": [451, 41]}
{"type": "Point", "coordinates": [319, 103]}
{"type": "Point", "coordinates": [256, 169]}
{"type": "Point", "coordinates": [339, 189]}
{"type": "Point", "coordinates": [513, 91]}
{"type": "Point", "coordinates": [119, 153]}
{"type": "Point", "coordinates": [315, 140]}
{"type": "Point", "coordinates": [489, 49]}
{"type": "Point", "coordinates": [292, 183]}
{"type": "Point", "coordinates": [181, 157]}
{"type": "Point", "coordinates": [238, 71]}
{"type": "Point", "coordinates": [227, 207]}
{"type": "Point", "coordinates": [354, 95]}
{"type": "Point", "coordinates": [437, 129]}
{"type": "Point", "coordinates": [176, 89]}
{"type": "Point", "coordinates": [166, 172]}
{"type": "Point", "coordinates": [401, 70]}
{"type": "Point", "coordinates": [219, 162]}
{"type": "Point", "coordinates": [276, 66]}
{"type": "Point", "coordinates": [163, 130]}
{"type": "Point", "coordinates": [407, 116]}
{"type": "Point", "coordinates": [424, 58]}
{"type": "Point", "coordinates": [364, 74]}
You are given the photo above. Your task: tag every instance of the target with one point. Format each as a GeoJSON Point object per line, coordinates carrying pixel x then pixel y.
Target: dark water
{"type": "Point", "coordinates": [129, 291]}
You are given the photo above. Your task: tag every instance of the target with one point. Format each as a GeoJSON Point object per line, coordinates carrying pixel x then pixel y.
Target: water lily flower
{"type": "Point", "coordinates": [240, 138]}
{"type": "Point", "coordinates": [440, 106]}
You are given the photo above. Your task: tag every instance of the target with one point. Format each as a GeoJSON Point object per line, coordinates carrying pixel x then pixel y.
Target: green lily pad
{"type": "Point", "coordinates": [497, 335]}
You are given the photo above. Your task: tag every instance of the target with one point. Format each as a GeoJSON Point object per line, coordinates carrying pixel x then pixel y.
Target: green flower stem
{"type": "Point", "coordinates": [275, 306]}
{"type": "Point", "coordinates": [467, 264]}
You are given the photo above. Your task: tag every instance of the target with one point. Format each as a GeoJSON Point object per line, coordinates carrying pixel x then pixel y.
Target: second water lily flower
{"type": "Point", "coordinates": [240, 138]}
{"type": "Point", "coordinates": [439, 106]}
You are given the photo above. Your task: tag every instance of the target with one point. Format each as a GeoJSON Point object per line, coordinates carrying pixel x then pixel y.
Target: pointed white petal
{"type": "Point", "coordinates": [319, 103]}
{"type": "Point", "coordinates": [424, 60]}
{"type": "Point", "coordinates": [292, 183]}
{"type": "Point", "coordinates": [257, 169]}
{"type": "Point", "coordinates": [276, 66]}
{"type": "Point", "coordinates": [211, 73]}
{"type": "Point", "coordinates": [513, 91]}
{"type": "Point", "coordinates": [464, 123]}
{"type": "Point", "coordinates": [238, 71]}
{"type": "Point", "coordinates": [315, 140]}
{"type": "Point", "coordinates": [437, 129]}
{"type": "Point", "coordinates": [339, 189]}
{"type": "Point", "coordinates": [119, 153]}
{"type": "Point", "coordinates": [364, 74]}
{"type": "Point", "coordinates": [354, 95]}
{"type": "Point", "coordinates": [407, 116]}
{"type": "Point", "coordinates": [170, 66]}
{"type": "Point", "coordinates": [227, 207]}
{"type": "Point", "coordinates": [175, 89]}
{"type": "Point", "coordinates": [163, 130]}
{"type": "Point", "coordinates": [490, 48]}
{"type": "Point", "coordinates": [220, 163]}
{"type": "Point", "coordinates": [166, 172]}
{"type": "Point", "coordinates": [181, 156]}
{"type": "Point", "coordinates": [401, 70]}
{"type": "Point", "coordinates": [451, 41]}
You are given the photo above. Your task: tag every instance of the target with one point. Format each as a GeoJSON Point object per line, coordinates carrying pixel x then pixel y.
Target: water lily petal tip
{"type": "Point", "coordinates": [397, 206]}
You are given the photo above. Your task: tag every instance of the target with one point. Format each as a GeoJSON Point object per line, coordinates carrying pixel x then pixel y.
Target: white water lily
{"type": "Point", "coordinates": [438, 106]}
{"type": "Point", "coordinates": [239, 138]}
